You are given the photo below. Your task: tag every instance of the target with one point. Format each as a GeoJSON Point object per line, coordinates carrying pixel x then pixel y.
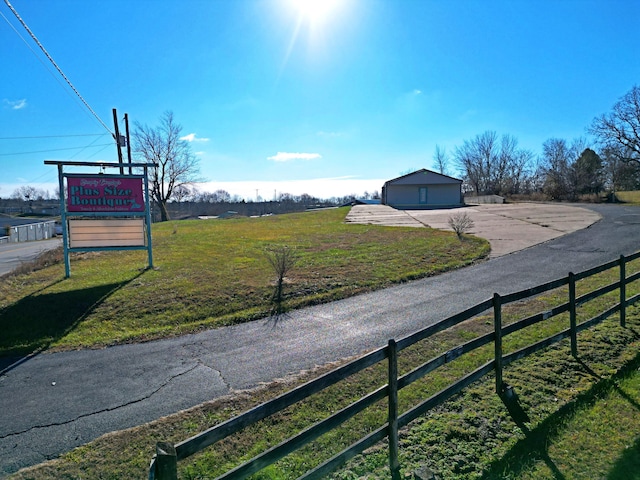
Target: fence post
{"type": "Point", "coordinates": [497, 328]}
{"type": "Point", "coordinates": [573, 315]}
{"type": "Point", "coordinates": [394, 462]}
{"type": "Point", "coordinates": [623, 292]}
{"type": "Point", "coordinates": [166, 461]}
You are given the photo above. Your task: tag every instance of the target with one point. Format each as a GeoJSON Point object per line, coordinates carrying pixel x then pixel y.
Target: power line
{"type": "Point", "coordinates": [96, 152]}
{"type": "Point", "coordinates": [55, 136]}
{"type": "Point", "coordinates": [54, 150]}
{"type": "Point", "coordinates": [55, 64]}
{"type": "Point", "coordinates": [91, 145]}
{"type": "Point", "coordinates": [44, 65]}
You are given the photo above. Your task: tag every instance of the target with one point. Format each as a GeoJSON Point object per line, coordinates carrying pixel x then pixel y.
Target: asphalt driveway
{"type": "Point", "coordinates": [52, 403]}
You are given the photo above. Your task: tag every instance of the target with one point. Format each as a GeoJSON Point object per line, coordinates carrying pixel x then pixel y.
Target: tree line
{"type": "Point", "coordinates": [489, 164]}
{"type": "Point", "coordinates": [221, 203]}
{"type": "Point", "coordinates": [492, 164]}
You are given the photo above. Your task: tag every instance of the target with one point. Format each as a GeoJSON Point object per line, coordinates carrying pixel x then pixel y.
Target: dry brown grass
{"type": "Point", "coordinates": [44, 260]}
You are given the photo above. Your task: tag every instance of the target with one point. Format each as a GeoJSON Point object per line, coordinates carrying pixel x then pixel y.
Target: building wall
{"type": "Point", "coordinates": [408, 196]}
{"type": "Point", "coordinates": [31, 232]}
{"type": "Point", "coordinates": [484, 199]}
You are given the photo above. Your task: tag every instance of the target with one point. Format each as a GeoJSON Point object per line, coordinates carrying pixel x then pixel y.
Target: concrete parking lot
{"type": "Point", "coordinates": [508, 227]}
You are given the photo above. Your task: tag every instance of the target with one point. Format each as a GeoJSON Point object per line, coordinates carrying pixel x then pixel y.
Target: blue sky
{"type": "Point", "coordinates": [328, 101]}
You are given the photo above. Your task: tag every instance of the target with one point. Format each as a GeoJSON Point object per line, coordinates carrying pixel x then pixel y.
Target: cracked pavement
{"type": "Point", "coordinates": [53, 402]}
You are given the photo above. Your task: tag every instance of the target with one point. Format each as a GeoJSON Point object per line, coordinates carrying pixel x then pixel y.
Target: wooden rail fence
{"type": "Point", "coordinates": [164, 463]}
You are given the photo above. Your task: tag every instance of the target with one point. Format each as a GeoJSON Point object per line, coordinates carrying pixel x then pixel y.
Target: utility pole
{"type": "Point", "coordinates": [118, 140]}
{"type": "Point", "coordinates": [126, 125]}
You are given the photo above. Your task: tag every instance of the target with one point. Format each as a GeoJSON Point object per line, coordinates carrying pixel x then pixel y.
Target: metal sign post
{"type": "Point", "coordinates": [114, 203]}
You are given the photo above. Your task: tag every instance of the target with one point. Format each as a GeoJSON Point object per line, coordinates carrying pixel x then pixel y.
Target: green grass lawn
{"type": "Point", "coordinates": [583, 414]}
{"type": "Point", "coordinates": [213, 273]}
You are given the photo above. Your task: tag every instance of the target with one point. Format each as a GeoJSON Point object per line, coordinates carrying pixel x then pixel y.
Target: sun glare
{"type": "Point", "coordinates": [319, 21]}
{"type": "Point", "coordinates": [315, 11]}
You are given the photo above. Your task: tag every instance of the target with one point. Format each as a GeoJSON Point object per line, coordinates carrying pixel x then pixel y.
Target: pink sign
{"type": "Point", "coordinates": [105, 193]}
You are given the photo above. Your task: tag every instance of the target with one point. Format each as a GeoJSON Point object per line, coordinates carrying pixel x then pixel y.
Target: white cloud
{"type": "Point", "coordinates": [192, 137]}
{"type": "Point", "coordinates": [290, 156]}
{"type": "Point", "coordinates": [16, 104]}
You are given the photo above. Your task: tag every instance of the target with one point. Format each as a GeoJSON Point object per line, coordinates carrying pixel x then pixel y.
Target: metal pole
{"type": "Point", "coordinates": [148, 216]}
{"type": "Point", "coordinates": [63, 220]}
{"type": "Point", "coordinates": [117, 134]}
{"type": "Point", "coordinates": [126, 126]}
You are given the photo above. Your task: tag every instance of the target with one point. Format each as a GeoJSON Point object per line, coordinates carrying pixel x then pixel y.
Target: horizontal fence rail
{"type": "Point", "coordinates": [164, 464]}
{"type": "Point", "coordinates": [203, 440]}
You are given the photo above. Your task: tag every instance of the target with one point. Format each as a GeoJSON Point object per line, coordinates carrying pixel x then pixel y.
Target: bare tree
{"type": "Point", "coordinates": [441, 160]}
{"type": "Point", "coordinates": [511, 167]}
{"type": "Point", "coordinates": [570, 170]}
{"type": "Point", "coordinates": [476, 158]}
{"type": "Point", "coordinates": [29, 193]}
{"type": "Point", "coordinates": [492, 164]}
{"type": "Point", "coordinates": [222, 196]}
{"type": "Point", "coordinates": [557, 158]}
{"type": "Point", "coordinates": [185, 193]}
{"type": "Point", "coordinates": [620, 176]}
{"type": "Point", "coordinates": [176, 165]}
{"type": "Point", "coordinates": [620, 128]}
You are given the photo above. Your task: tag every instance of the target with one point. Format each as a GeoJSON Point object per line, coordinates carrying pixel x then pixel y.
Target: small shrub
{"type": "Point", "coordinates": [461, 223]}
{"type": "Point", "coordinates": [282, 259]}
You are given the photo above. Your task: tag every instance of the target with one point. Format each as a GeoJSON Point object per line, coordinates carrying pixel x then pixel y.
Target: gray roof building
{"type": "Point", "coordinates": [423, 189]}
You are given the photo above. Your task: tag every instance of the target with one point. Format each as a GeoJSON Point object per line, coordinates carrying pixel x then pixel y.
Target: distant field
{"type": "Point", "coordinates": [629, 197]}
{"type": "Point", "coordinates": [211, 273]}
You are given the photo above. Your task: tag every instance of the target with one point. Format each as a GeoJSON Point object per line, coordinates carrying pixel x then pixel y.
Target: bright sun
{"type": "Point", "coordinates": [318, 20]}
{"type": "Point", "coordinates": [315, 11]}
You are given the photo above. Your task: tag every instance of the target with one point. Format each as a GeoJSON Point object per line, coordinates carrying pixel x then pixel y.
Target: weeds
{"type": "Point", "coordinates": [46, 259]}
{"type": "Point", "coordinates": [461, 223]}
